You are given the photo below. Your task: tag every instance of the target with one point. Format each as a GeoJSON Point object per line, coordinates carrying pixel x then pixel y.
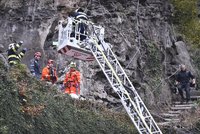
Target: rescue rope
{"type": "Point", "coordinates": [161, 82]}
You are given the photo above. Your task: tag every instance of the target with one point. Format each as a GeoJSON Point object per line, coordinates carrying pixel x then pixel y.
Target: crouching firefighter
{"type": "Point", "coordinates": [72, 81]}
{"type": "Point", "coordinates": [49, 72]}
{"type": "Point", "coordinates": [13, 56]}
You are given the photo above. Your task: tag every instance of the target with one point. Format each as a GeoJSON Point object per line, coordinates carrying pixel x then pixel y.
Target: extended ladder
{"type": "Point", "coordinates": [112, 69]}
{"type": "Point", "coordinates": [121, 84]}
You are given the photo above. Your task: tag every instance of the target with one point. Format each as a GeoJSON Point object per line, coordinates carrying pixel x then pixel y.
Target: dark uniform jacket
{"type": "Point", "coordinates": [35, 68]}
{"type": "Point", "coordinates": [184, 77]}
{"type": "Point", "coordinates": [13, 56]}
{"type": "Point", "coordinates": [81, 26]}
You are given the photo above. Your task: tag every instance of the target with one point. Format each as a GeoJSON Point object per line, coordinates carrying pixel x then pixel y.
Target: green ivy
{"type": "Point", "coordinates": [154, 69]}
{"type": "Point", "coordinates": [186, 20]}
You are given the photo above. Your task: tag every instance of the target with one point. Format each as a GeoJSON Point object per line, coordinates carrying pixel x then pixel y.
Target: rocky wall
{"type": "Point", "coordinates": [140, 32]}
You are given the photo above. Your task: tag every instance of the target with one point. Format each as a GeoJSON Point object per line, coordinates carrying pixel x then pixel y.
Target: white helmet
{"type": "Point", "coordinates": [72, 65]}
{"type": "Point", "coordinates": [20, 42]}
{"type": "Point", "coordinates": [79, 10]}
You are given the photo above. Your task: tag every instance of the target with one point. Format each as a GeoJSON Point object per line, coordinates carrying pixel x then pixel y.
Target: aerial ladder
{"type": "Point", "coordinates": [93, 47]}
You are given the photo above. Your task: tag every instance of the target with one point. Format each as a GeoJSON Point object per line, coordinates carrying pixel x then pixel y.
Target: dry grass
{"type": "Point", "coordinates": [34, 110]}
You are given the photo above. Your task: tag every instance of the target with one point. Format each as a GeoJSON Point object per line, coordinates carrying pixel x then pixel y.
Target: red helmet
{"type": "Point", "coordinates": [37, 54]}
{"type": "Point", "coordinates": [50, 61]}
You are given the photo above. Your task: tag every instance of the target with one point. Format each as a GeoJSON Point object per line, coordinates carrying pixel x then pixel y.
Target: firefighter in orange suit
{"type": "Point", "coordinates": [49, 72]}
{"type": "Point", "coordinates": [72, 80]}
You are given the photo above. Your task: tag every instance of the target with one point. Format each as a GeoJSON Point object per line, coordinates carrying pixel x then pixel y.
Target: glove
{"type": "Point", "coordinates": [77, 85]}
{"type": "Point", "coordinates": [176, 83]}
{"type": "Point", "coordinates": [62, 87]}
{"type": "Point", "coordinates": [192, 84]}
{"type": "Point", "coordinates": [24, 50]}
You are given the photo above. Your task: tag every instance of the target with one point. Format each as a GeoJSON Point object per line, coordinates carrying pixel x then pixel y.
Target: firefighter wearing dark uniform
{"type": "Point", "coordinates": [80, 15]}
{"type": "Point", "coordinates": [13, 56]}
{"type": "Point", "coordinates": [35, 66]}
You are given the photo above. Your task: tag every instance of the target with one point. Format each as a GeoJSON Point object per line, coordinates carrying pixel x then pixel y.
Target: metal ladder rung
{"type": "Point", "coordinates": [99, 57]}
{"type": "Point", "coordinates": [98, 53]}
{"type": "Point", "coordinates": [101, 61]}
{"type": "Point", "coordinates": [116, 84]}
{"type": "Point", "coordinates": [147, 117]}
{"type": "Point", "coordinates": [121, 74]}
{"type": "Point", "coordinates": [140, 101]}
{"type": "Point", "coordinates": [132, 114]}
{"type": "Point", "coordinates": [126, 99]}
{"type": "Point", "coordinates": [143, 129]}
{"type": "Point", "coordinates": [113, 60]}
{"type": "Point", "coordinates": [108, 71]}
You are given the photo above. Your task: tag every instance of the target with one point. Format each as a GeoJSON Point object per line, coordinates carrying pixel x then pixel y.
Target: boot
{"type": "Point", "coordinates": [187, 101]}
{"type": "Point", "coordinates": [182, 100]}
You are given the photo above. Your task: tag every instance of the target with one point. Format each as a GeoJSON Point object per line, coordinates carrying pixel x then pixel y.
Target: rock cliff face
{"type": "Point", "coordinates": [140, 31]}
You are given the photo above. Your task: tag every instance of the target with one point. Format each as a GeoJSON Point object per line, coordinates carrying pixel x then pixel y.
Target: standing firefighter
{"type": "Point", "coordinates": [13, 56]}
{"type": "Point", "coordinates": [49, 72]}
{"type": "Point", "coordinates": [82, 27]}
{"type": "Point", "coordinates": [183, 82]}
{"type": "Point", "coordinates": [72, 81]}
{"type": "Point", "coordinates": [35, 66]}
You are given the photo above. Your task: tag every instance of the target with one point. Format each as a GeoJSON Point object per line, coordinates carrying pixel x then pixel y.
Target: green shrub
{"type": "Point", "coordinates": [186, 20]}
{"type": "Point", "coordinates": [153, 70]}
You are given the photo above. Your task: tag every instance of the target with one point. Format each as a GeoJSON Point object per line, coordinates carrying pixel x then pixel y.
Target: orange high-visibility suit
{"type": "Point", "coordinates": [49, 74]}
{"type": "Point", "coordinates": [72, 82]}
